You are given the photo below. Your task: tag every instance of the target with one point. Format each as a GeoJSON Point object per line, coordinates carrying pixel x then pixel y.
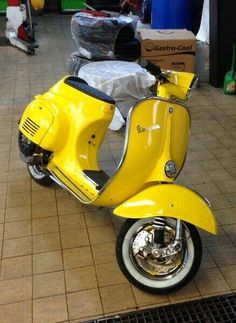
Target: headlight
{"type": "Point", "coordinates": [192, 86]}
{"type": "Point", "coordinates": [170, 169]}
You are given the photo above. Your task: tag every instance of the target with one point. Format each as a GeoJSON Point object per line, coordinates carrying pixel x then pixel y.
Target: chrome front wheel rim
{"type": "Point", "coordinates": [153, 271]}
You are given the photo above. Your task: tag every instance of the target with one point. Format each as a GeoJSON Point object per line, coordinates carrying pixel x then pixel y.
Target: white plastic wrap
{"type": "Point", "coordinates": [203, 33]}
{"type": "Point", "coordinates": [126, 82]}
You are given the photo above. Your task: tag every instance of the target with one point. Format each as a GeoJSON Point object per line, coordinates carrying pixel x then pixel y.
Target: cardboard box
{"type": "Point", "coordinates": [170, 49]}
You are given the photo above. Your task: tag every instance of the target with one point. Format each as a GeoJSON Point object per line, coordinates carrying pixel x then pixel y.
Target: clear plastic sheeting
{"type": "Point", "coordinates": [126, 82]}
{"type": "Point", "coordinates": [75, 62]}
{"type": "Point", "coordinates": [96, 36]}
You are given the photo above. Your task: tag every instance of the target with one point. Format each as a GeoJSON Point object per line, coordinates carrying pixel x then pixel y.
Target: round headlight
{"type": "Point", "coordinates": [170, 169]}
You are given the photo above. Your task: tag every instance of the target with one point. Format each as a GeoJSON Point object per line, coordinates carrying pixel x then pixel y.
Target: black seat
{"type": "Point", "coordinates": [81, 85]}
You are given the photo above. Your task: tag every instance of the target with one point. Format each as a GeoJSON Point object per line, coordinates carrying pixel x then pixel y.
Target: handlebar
{"type": "Point", "coordinates": [156, 71]}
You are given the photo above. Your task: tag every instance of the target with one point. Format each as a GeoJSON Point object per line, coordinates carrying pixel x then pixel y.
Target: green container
{"type": "Point", "coordinates": [3, 5]}
{"type": "Point", "coordinates": [230, 76]}
{"type": "Point", "coordinates": [72, 5]}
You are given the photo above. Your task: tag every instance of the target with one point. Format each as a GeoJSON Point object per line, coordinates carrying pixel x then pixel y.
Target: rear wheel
{"type": "Point", "coordinates": [157, 267]}
{"type": "Point", "coordinates": [39, 175]}
{"type": "Point", "coordinates": [36, 171]}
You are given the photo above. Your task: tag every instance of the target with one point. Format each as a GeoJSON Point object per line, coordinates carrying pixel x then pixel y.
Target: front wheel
{"type": "Point", "coordinates": [153, 266]}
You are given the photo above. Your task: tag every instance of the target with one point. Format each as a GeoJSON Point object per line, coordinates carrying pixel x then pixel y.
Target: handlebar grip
{"type": "Point", "coordinates": [153, 69]}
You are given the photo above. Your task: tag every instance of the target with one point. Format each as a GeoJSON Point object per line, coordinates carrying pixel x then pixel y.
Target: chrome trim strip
{"type": "Point", "coordinates": [202, 197]}
{"type": "Point", "coordinates": [64, 186]}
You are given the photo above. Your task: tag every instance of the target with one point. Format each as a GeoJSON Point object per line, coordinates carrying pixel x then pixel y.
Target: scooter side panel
{"type": "Point", "coordinates": [169, 200]}
{"type": "Point", "coordinates": [35, 121]}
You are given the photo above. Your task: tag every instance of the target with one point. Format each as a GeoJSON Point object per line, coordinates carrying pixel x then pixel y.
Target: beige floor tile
{"type": "Point", "coordinates": [223, 255]}
{"type": "Point", "coordinates": [231, 231]}
{"type": "Point", "coordinates": [219, 201]}
{"type": "Point", "coordinates": [49, 284]}
{"type": "Point", "coordinates": [102, 234]}
{"type": "Point", "coordinates": [210, 165]}
{"type": "Point", "coordinates": [18, 199]}
{"type": "Point", "coordinates": [17, 174]}
{"type": "Point", "coordinates": [2, 215]}
{"type": "Point", "coordinates": [219, 175]}
{"type": "Point", "coordinates": [16, 267]}
{"type": "Point", "coordinates": [77, 257]}
{"type": "Point", "coordinates": [71, 222]}
{"type": "Point", "coordinates": [44, 210]}
{"type": "Point", "coordinates": [231, 197]}
{"type": "Point", "coordinates": [19, 186]}
{"type": "Point", "coordinates": [226, 216]}
{"type": "Point", "coordinates": [104, 253]}
{"type": "Point", "coordinates": [202, 155]}
{"type": "Point", "coordinates": [37, 187]}
{"type": "Point", "coordinates": [229, 274]}
{"type": "Point", "coordinates": [1, 231]}
{"type": "Point", "coordinates": [68, 208]}
{"type": "Point", "coordinates": [221, 152]}
{"type": "Point", "coordinates": [80, 279]}
{"type": "Point", "coordinates": [45, 225]}
{"type": "Point", "coordinates": [50, 309]}
{"type": "Point", "coordinates": [74, 238]}
{"type": "Point", "coordinates": [207, 189]}
{"type": "Point", "coordinates": [3, 174]}
{"type": "Point", "coordinates": [232, 172]}
{"type": "Point", "coordinates": [17, 229]}
{"type": "Point", "coordinates": [186, 293]}
{"type": "Point", "coordinates": [89, 304]}
{"type": "Point", "coordinates": [17, 312]}
{"type": "Point", "coordinates": [62, 194]}
{"type": "Point", "coordinates": [228, 162]}
{"type": "Point", "coordinates": [117, 298]}
{"type": "Point", "coordinates": [210, 240]}
{"type": "Point", "coordinates": [210, 281]}
{"type": "Point", "coordinates": [17, 247]}
{"type": "Point", "coordinates": [228, 186]}
{"type": "Point", "coordinates": [3, 199]}
{"type": "Point", "coordinates": [46, 195]}
{"type": "Point", "coordinates": [192, 167]}
{"type": "Point", "coordinates": [97, 218]}
{"type": "Point", "coordinates": [47, 262]}
{"type": "Point", "coordinates": [207, 260]}
{"type": "Point", "coordinates": [18, 213]}
{"type": "Point", "coordinates": [46, 242]}
{"type": "Point", "coordinates": [15, 290]}
{"type": "Point", "coordinates": [144, 299]}
{"type": "Point", "coordinates": [3, 188]}
{"type": "Point", "coordinates": [109, 274]}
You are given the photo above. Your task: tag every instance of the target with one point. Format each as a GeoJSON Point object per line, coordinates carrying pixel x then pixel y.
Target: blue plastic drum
{"type": "Point", "coordinates": [172, 14]}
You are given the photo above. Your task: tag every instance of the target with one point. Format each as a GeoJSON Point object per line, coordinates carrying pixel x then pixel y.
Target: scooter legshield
{"type": "Point", "coordinates": [170, 200]}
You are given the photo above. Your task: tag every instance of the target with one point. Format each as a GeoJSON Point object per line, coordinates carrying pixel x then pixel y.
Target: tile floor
{"type": "Point", "coordinates": [57, 256]}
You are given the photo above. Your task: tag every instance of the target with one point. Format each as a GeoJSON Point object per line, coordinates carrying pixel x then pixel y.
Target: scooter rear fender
{"type": "Point", "coordinates": [170, 200]}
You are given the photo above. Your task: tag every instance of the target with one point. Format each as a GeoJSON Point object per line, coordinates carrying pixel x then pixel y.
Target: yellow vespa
{"type": "Point", "coordinates": [158, 247]}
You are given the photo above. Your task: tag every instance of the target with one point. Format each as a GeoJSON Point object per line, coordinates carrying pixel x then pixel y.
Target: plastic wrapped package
{"type": "Point", "coordinates": [75, 62]}
{"type": "Point", "coordinates": [96, 36]}
{"type": "Point", "coordinates": [126, 82]}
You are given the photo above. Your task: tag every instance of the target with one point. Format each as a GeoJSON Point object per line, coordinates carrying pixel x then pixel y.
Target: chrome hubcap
{"type": "Point", "coordinates": [156, 260]}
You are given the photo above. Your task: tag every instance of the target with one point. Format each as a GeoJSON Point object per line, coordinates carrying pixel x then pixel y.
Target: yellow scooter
{"type": "Point", "coordinates": [158, 247]}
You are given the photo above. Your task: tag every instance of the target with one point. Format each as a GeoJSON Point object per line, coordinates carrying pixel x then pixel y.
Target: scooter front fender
{"type": "Point", "coordinates": [170, 200]}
